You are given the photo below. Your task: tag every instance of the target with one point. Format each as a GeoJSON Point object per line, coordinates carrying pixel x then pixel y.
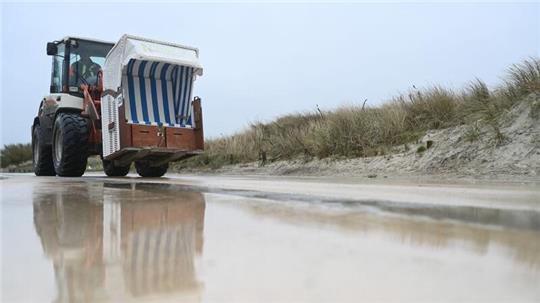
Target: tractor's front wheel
{"type": "Point", "coordinates": [42, 161]}
{"type": "Point", "coordinates": [70, 145]}
{"type": "Point", "coordinates": [113, 170]}
{"type": "Point", "coordinates": [145, 169]}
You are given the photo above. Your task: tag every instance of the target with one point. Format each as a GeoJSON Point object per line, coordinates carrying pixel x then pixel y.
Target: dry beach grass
{"type": "Point", "coordinates": [364, 131]}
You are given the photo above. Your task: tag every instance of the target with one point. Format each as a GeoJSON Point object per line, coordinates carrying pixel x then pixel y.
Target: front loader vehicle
{"type": "Point", "coordinates": [129, 102]}
{"type": "Point", "coordinates": [63, 133]}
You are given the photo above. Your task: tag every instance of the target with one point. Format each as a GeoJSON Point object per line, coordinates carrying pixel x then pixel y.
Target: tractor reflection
{"type": "Point", "coordinates": [115, 244]}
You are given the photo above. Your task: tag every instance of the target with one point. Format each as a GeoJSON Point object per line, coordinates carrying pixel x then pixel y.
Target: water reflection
{"type": "Point", "coordinates": [471, 229]}
{"type": "Point", "coordinates": [110, 244]}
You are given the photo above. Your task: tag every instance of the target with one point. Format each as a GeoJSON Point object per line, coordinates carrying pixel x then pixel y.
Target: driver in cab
{"type": "Point", "coordinates": [84, 68]}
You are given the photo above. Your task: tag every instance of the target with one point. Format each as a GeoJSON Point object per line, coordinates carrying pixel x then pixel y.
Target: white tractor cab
{"type": "Point", "coordinates": [127, 102]}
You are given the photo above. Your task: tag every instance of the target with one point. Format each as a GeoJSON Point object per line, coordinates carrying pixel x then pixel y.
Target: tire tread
{"type": "Point", "coordinates": [44, 165]}
{"type": "Point", "coordinates": [74, 143]}
{"type": "Point", "coordinates": [145, 169]}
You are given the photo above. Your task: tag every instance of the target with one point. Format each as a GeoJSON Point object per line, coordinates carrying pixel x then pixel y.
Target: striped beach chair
{"type": "Point", "coordinates": [158, 93]}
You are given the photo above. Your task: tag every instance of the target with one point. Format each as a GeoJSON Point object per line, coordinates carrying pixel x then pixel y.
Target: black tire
{"type": "Point", "coordinates": [42, 161]}
{"type": "Point", "coordinates": [112, 170]}
{"type": "Point", "coordinates": [144, 169]}
{"type": "Point", "coordinates": [70, 145]}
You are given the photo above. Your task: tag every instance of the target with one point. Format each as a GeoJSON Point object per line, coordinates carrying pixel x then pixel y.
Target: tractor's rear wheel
{"type": "Point", "coordinates": [42, 161]}
{"type": "Point", "coordinates": [113, 170]}
{"type": "Point", "coordinates": [70, 145]}
{"type": "Point", "coordinates": [145, 169]}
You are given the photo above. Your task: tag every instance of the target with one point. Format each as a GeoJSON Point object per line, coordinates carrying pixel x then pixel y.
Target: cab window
{"type": "Point", "coordinates": [86, 60]}
{"type": "Point", "coordinates": [58, 69]}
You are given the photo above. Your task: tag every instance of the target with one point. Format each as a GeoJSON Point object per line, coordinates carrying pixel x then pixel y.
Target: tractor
{"type": "Point", "coordinates": [127, 102]}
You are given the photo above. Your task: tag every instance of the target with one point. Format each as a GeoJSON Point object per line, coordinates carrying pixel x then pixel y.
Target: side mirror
{"type": "Point", "coordinates": [52, 49]}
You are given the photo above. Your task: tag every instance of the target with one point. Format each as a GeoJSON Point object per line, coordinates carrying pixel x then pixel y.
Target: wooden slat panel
{"type": "Point", "coordinates": [181, 138]}
{"type": "Point", "coordinates": [125, 129]}
{"type": "Point", "coordinates": [146, 136]}
{"type": "Point", "coordinates": [198, 132]}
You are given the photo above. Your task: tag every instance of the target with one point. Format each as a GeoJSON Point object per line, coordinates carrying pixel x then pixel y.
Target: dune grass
{"type": "Point", "coordinates": [361, 131]}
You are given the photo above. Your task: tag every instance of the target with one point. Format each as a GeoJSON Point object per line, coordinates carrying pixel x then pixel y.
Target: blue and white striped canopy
{"type": "Point", "coordinates": [158, 93]}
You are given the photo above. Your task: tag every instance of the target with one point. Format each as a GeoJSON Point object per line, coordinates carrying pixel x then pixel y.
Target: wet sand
{"type": "Point", "coordinates": [208, 239]}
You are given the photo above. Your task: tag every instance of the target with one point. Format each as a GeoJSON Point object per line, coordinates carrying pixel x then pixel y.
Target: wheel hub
{"type": "Point", "coordinates": [36, 152]}
{"type": "Point", "coordinates": [58, 146]}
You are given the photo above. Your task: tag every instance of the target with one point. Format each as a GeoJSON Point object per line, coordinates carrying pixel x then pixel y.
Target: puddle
{"type": "Point", "coordinates": [522, 219]}
{"type": "Point", "coordinates": [77, 241]}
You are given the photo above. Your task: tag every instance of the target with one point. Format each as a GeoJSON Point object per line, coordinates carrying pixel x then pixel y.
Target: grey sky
{"type": "Point", "coordinates": [265, 60]}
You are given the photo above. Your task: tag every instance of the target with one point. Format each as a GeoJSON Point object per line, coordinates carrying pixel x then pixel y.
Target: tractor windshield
{"type": "Point", "coordinates": [86, 59]}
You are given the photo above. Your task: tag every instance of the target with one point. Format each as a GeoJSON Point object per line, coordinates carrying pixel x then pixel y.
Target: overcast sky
{"type": "Point", "coordinates": [266, 60]}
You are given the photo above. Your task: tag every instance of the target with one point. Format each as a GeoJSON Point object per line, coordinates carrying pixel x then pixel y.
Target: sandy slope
{"type": "Point", "coordinates": [452, 154]}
